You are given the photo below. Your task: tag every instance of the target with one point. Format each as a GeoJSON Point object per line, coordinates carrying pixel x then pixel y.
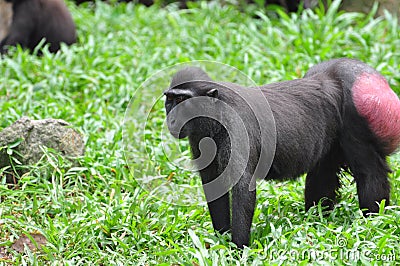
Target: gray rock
{"type": "Point", "coordinates": [34, 135]}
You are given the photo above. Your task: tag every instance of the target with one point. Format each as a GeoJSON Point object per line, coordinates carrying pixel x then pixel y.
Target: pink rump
{"type": "Point", "coordinates": [380, 106]}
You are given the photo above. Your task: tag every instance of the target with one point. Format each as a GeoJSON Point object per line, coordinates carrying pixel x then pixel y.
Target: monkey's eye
{"type": "Point", "coordinates": [170, 98]}
{"type": "Point", "coordinates": [180, 99]}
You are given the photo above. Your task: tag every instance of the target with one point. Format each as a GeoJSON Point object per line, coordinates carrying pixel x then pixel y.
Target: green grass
{"type": "Point", "coordinates": [98, 214]}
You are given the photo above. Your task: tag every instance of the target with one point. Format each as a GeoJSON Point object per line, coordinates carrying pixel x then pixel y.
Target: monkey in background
{"type": "Point", "coordinates": [33, 20]}
{"type": "Point", "coordinates": [342, 114]}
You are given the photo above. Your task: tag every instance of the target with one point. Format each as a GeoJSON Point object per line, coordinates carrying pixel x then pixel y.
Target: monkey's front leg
{"type": "Point", "coordinates": [243, 203]}
{"type": "Point", "coordinates": [219, 208]}
{"type": "Point", "coordinates": [220, 213]}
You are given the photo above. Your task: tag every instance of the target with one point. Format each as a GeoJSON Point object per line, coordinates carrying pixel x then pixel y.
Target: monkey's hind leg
{"type": "Point", "coordinates": [322, 182]}
{"type": "Point", "coordinates": [370, 172]}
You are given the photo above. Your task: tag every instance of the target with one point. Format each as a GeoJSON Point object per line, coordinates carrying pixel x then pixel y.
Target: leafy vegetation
{"type": "Point", "coordinates": [98, 214]}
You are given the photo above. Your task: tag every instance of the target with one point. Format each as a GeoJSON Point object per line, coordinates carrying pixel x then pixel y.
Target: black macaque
{"type": "Point", "coordinates": [342, 114]}
{"type": "Point", "coordinates": [34, 20]}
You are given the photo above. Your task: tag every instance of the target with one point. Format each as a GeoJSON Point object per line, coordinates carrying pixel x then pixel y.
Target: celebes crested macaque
{"type": "Point", "coordinates": [341, 115]}
{"type": "Point", "coordinates": [34, 20]}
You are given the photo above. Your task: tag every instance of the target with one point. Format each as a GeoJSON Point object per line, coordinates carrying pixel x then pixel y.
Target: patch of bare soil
{"type": "Point", "coordinates": [36, 245]}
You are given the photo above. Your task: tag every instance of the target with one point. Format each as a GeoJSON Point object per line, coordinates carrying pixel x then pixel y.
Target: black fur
{"type": "Point", "coordinates": [318, 132]}
{"type": "Point", "coordinates": [34, 20]}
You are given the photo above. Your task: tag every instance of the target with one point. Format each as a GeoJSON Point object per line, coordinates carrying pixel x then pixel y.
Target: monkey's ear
{"type": "Point", "coordinates": [212, 93]}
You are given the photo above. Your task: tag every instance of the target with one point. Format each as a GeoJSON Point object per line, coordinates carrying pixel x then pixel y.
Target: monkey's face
{"type": "Point", "coordinates": [185, 108]}
{"type": "Point", "coordinates": [173, 118]}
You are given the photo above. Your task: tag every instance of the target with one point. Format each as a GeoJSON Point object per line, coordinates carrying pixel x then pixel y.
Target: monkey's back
{"type": "Point", "coordinates": [307, 115]}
